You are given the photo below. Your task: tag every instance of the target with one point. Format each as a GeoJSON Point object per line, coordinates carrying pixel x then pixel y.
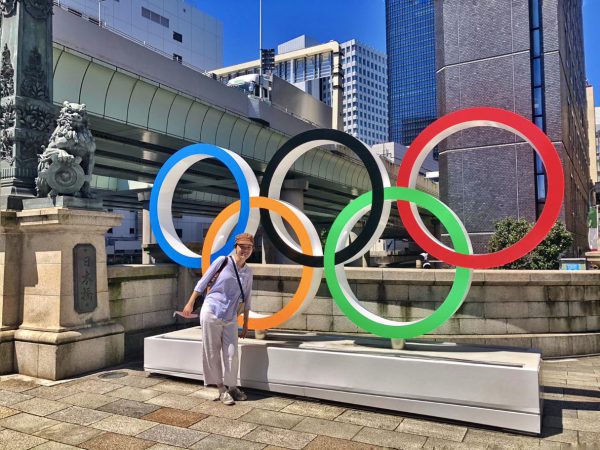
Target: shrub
{"type": "Point", "coordinates": [544, 257]}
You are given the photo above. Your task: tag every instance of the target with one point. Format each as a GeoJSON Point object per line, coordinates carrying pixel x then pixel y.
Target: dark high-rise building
{"type": "Point", "coordinates": [525, 56]}
{"type": "Point", "coordinates": [410, 38]}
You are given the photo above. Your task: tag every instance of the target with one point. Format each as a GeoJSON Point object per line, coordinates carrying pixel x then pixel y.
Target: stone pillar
{"type": "Point", "coordinates": [10, 312]}
{"type": "Point", "coordinates": [147, 235]}
{"type": "Point", "coordinates": [358, 262]}
{"type": "Point", "coordinates": [66, 328]}
{"type": "Point", "coordinates": [292, 192]}
{"type": "Point", "coordinates": [593, 259]}
{"type": "Point", "coordinates": [27, 113]}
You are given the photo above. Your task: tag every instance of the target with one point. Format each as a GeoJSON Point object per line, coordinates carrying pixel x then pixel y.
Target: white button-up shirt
{"type": "Point", "coordinates": [225, 296]}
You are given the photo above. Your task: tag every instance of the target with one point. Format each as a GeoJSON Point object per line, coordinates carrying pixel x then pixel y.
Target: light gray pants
{"type": "Point", "coordinates": [219, 337]}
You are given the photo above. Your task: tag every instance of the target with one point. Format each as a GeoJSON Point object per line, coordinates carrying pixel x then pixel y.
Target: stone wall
{"type": "Point", "coordinates": [143, 298]}
{"type": "Point", "coordinates": [557, 312]}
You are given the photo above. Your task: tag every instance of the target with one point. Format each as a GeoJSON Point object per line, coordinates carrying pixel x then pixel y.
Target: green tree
{"type": "Point", "coordinates": [544, 257]}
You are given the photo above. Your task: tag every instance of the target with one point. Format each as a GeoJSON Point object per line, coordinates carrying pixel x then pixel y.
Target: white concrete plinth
{"type": "Point", "coordinates": [484, 385]}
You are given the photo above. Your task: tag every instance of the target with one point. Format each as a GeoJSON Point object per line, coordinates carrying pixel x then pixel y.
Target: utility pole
{"type": "Point", "coordinates": [260, 70]}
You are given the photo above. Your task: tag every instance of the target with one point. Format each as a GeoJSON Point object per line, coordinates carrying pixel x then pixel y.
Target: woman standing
{"type": "Point", "coordinates": [229, 280]}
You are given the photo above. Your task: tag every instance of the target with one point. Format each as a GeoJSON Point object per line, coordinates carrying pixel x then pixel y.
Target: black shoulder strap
{"type": "Point", "coordinates": [223, 264]}
{"type": "Point", "coordinates": [217, 273]}
{"type": "Point", "coordinates": [238, 278]}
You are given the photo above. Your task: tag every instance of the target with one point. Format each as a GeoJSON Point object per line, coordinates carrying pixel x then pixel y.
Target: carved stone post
{"type": "Point", "coordinates": [26, 110]}
{"type": "Point", "coordinates": [66, 328]}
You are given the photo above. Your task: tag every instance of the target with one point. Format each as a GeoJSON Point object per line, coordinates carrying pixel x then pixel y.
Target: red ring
{"type": "Point", "coordinates": [493, 117]}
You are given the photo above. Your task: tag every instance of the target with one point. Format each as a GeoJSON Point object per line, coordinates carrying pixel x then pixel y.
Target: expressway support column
{"type": "Point", "coordinates": [147, 236]}
{"type": "Point", "coordinates": [292, 192]}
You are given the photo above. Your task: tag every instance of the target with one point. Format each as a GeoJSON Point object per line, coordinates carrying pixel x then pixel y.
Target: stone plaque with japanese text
{"type": "Point", "coordinates": [84, 278]}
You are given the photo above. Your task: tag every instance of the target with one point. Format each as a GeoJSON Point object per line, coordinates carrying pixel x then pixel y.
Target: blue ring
{"type": "Point", "coordinates": [231, 164]}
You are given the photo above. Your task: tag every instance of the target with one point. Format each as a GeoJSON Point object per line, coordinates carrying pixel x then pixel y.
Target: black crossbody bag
{"type": "Point", "coordinates": [241, 306]}
{"type": "Point", "coordinates": [200, 299]}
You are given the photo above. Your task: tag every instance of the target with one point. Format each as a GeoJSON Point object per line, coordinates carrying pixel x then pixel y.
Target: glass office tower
{"type": "Point", "coordinates": [410, 36]}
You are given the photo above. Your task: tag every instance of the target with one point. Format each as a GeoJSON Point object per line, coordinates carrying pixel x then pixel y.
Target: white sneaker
{"type": "Point", "coordinates": [237, 394]}
{"type": "Point", "coordinates": [226, 398]}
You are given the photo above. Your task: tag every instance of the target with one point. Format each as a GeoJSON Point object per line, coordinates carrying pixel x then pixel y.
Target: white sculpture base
{"type": "Point", "coordinates": [484, 385]}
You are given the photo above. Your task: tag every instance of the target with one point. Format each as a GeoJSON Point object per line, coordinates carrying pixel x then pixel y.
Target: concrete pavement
{"type": "Point", "coordinates": [124, 408]}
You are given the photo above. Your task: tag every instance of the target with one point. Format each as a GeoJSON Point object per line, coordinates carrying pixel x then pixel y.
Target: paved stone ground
{"type": "Point", "coordinates": [137, 411]}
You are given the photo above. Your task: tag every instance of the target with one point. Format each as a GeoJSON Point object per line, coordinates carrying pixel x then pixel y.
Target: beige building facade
{"type": "Point", "coordinates": [592, 133]}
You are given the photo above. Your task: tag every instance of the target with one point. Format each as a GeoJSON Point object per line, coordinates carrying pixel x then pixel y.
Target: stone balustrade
{"type": "Point", "coordinates": [142, 298]}
{"type": "Point", "coordinates": [555, 311]}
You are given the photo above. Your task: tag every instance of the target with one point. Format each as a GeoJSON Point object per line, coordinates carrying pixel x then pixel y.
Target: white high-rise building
{"type": "Point", "coordinates": [174, 28]}
{"type": "Point", "coordinates": [305, 64]}
{"type": "Point", "coordinates": [365, 98]}
{"type": "Point", "coordinates": [365, 101]}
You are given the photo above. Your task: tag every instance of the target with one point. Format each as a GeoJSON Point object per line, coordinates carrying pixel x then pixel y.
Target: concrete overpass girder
{"type": "Point", "coordinates": [180, 108]}
{"type": "Point", "coordinates": [71, 70]}
{"type": "Point", "coordinates": [160, 110]}
{"type": "Point", "coordinates": [154, 120]}
{"type": "Point", "coordinates": [139, 104]}
{"type": "Point", "coordinates": [194, 120]}
{"type": "Point", "coordinates": [118, 95]}
{"type": "Point", "coordinates": [225, 130]}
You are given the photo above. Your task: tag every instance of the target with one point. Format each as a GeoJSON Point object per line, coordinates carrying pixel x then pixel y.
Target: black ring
{"type": "Point", "coordinates": [367, 158]}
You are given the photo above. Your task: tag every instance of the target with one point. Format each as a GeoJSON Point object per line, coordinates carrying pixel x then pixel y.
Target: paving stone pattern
{"type": "Point", "coordinates": [126, 408]}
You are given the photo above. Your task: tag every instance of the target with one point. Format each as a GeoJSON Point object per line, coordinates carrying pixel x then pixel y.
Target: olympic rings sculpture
{"type": "Point", "coordinates": [263, 204]}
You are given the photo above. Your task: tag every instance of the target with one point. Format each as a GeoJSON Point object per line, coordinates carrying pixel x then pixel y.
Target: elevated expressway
{"type": "Point", "coordinates": [143, 107]}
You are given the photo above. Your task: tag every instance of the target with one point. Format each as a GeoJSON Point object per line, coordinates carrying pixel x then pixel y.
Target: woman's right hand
{"type": "Point", "coordinates": [188, 309]}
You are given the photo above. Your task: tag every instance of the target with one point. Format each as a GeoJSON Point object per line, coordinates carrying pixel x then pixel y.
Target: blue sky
{"type": "Point", "coordinates": [340, 20]}
{"type": "Point", "coordinates": [286, 19]}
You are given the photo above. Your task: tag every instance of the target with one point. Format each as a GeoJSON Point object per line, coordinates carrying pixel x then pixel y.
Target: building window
{"type": "Point", "coordinates": [537, 94]}
{"type": "Point", "coordinates": [74, 11]}
{"type": "Point", "coordinates": [177, 58]}
{"type": "Point", "coordinates": [177, 36]}
{"type": "Point", "coordinates": [154, 17]}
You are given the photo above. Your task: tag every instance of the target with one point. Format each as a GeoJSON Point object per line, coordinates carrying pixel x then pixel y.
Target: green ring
{"type": "Point", "coordinates": [378, 325]}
